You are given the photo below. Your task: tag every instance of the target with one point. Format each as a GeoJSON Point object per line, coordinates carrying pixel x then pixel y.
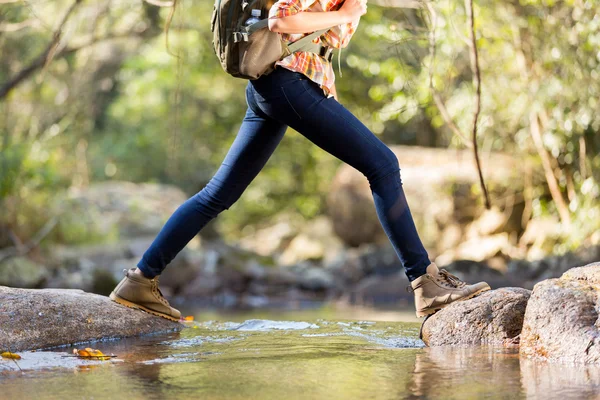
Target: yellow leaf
{"type": "Point", "coordinates": [90, 353]}
{"type": "Point", "coordinates": [11, 356]}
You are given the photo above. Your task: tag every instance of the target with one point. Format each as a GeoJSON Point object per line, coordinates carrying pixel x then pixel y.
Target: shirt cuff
{"type": "Point", "coordinates": [284, 10]}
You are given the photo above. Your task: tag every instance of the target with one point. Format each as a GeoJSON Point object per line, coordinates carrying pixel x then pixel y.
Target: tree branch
{"type": "Point", "coordinates": [536, 135]}
{"type": "Point", "coordinates": [43, 59]}
{"type": "Point", "coordinates": [40, 61]}
{"type": "Point", "coordinates": [477, 83]}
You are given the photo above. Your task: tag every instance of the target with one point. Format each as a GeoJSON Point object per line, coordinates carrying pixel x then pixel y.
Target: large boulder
{"type": "Point", "coordinates": [438, 184]}
{"type": "Point", "coordinates": [561, 322]}
{"type": "Point", "coordinates": [493, 318]}
{"type": "Point", "coordinates": [36, 319]}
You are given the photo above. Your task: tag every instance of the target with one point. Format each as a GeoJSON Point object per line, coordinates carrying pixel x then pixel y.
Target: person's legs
{"type": "Point", "coordinates": [296, 101]}
{"type": "Point", "coordinates": [300, 103]}
{"type": "Point", "coordinates": [258, 137]}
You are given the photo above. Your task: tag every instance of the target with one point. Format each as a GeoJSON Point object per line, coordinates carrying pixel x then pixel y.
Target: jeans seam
{"type": "Point", "coordinates": [289, 103]}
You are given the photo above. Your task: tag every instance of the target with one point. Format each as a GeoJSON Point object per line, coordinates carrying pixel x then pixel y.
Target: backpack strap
{"type": "Point", "coordinates": [304, 44]}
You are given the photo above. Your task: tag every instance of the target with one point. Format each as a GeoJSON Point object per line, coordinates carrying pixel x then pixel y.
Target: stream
{"type": "Point", "coordinates": [312, 354]}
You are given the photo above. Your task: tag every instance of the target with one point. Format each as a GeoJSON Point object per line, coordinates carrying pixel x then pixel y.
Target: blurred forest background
{"type": "Point", "coordinates": [89, 94]}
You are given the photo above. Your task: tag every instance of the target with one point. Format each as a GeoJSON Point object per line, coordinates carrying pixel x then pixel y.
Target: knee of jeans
{"type": "Point", "coordinates": [211, 203]}
{"type": "Point", "coordinates": [390, 166]}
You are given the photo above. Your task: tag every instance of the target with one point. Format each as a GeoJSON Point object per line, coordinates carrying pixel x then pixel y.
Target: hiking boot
{"type": "Point", "coordinates": [137, 291]}
{"type": "Point", "coordinates": [439, 288]}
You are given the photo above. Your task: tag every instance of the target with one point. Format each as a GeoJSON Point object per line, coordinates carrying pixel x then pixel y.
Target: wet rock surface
{"type": "Point", "coordinates": [37, 319]}
{"type": "Point", "coordinates": [492, 318]}
{"type": "Point", "coordinates": [561, 322]}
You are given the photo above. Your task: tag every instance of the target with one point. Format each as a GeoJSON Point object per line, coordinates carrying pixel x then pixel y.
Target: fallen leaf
{"type": "Point", "coordinates": [189, 318]}
{"type": "Point", "coordinates": [90, 353]}
{"type": "Point", "coordinates": [10, 356]}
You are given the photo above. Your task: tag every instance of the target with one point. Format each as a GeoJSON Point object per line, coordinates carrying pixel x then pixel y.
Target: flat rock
{"type": "Point", "coordinates": [561, 322]}
{"type": "Point", "coordinates": [37, 319]}
{"type": "Point", "coordinates": [492, 318]}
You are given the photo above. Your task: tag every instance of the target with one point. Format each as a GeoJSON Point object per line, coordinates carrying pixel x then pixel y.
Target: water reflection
{"type": "Point", "coordinates": [563, 381]}
{"type": "Point", "coordinates": [466, 373]}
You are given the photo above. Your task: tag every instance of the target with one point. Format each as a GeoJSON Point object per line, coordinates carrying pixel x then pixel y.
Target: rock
{"type": "Point", "coordinates": [479, 249]}
{"type": "Point", "coordinates": [303, 248]}
{"type": "Point", "coordinates": [492, 318]}
{"type": "Point", "coordinates": [182, 270]}
{"type": "Point", "coordinates": [315, 279]}
{"type": "Point", "coordinates": [378, 290]}
{"type": "Point", "coordinates": [490, 222]}
{"type": "Point", "coordinates": [316, 241]}
{"type": "Point", "coordinates": [280, 277]}
{"type": "Point", "coordinates": [540, 236]}
{"type": "Point", "coordinates": [38, 319]}
{"type": "Point", "coordinates": [527, 274]}
{"type": "Point", "coordinates": [22, 272]}
{"type": "Point", "coordinates": [561, 322]}
{"type": "Point", "coordinates": [268, 240]}
{"type": "Point", "coordinates": [203, 285]}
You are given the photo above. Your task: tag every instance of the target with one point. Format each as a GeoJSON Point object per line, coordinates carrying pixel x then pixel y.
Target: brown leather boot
{"type": "Point", "coordinates": [439, 288]}
{"type": "Point", "coordinates": [137, 291]}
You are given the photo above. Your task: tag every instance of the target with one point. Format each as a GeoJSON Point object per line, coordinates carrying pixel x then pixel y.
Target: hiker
{"type": "Point", "coordinates": [299, 93]}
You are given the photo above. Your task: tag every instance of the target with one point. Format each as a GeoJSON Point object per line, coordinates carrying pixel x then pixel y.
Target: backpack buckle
{"type": "Point", "coordinates": [240, 37]}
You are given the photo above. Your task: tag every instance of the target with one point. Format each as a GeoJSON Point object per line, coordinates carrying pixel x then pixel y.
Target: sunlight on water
{"type": "Point", "coordinates": [291, 359]}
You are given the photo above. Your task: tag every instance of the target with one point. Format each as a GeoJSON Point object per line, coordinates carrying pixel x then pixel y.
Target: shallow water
{"type": "Point", "coordinates": [292, 356]}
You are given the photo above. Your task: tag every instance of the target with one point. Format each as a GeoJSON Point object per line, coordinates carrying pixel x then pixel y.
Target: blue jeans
{"type": "Point", "coordinates": [276, 101]}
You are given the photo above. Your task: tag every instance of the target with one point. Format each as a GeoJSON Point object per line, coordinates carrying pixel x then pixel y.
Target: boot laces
{"type": "Point", "coordinates": [449, 279]}
{"type": "Point", "coordinates": [157, 291]}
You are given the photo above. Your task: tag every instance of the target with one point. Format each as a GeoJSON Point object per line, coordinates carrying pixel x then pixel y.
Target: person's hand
{"type": "Point", "coordinates": [354, 9]}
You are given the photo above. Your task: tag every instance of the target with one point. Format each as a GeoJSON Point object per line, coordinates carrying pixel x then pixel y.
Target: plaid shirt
{"type": "Point", "coordinates": [315, 67]}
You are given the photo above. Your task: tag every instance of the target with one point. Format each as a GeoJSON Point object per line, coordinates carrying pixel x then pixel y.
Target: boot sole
{"type": "Point", "coordinates": [129, 304]}
{"type": "Point", "coordinates": [429, 311]}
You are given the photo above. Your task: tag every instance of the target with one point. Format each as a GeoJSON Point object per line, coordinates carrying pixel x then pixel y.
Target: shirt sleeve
{"type": "Point", "coordinates": [339, 36]}
{"type": "Point", "coordinates": [286, 8]}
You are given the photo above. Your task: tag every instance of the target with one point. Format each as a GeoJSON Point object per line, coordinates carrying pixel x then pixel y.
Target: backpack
{"type": "Point", "coordinates": [248, 52]}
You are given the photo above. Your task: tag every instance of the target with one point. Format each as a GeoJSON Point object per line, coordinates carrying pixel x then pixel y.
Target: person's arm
{"type": "Point", "coordinates": [304, 22]}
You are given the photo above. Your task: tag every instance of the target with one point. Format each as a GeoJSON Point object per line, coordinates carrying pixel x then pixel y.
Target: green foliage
{"type": "Point", "coordinates": [125, 109]}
